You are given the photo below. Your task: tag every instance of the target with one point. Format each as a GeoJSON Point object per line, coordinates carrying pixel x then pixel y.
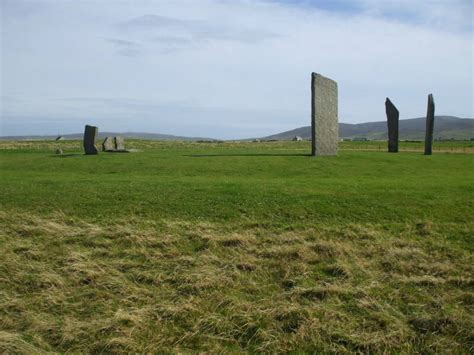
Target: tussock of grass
{"type": "Point", "coordinates": [138, 286]}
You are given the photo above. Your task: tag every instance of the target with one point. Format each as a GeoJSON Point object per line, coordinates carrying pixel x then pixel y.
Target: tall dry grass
{"type": "Point", "coordinates": [171, 286]}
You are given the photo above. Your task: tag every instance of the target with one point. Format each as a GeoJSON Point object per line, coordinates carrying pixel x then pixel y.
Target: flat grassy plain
{"type": "Point", "coordinates": [231, 247]}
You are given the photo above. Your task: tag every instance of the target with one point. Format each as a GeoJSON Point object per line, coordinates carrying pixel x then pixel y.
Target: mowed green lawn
{"type": "Point", "coordinates": [236, 247]}
{"type": "Point", "coordinates": [277, 184]}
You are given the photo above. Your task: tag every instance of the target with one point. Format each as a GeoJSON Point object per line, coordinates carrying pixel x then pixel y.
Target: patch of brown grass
{"type": "Point", "coordinates": [170, 286]}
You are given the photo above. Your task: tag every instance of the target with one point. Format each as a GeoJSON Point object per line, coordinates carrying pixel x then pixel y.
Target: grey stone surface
{"type": "Point", "coordinates": [392, 123]}
{"type": "Point", "coordinates": [108, 144]}
{"type": "Point", "coordinates": [324, 120]}
{"type": "Point", "coordinates": [429, 125]}
{"type": "Point", "coordinates": [119, 143]}
{"type": "Point", "coordinates": [90, 133]}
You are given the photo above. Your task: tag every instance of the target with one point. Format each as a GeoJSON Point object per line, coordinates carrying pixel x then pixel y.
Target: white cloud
{"type": "Point", "coordinates": [182, 67]}
{"type": "Point", "coordinates": [456, 15]}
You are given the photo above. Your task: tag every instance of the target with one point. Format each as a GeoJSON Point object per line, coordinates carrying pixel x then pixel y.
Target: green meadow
{"type": "Point", "coordinates": [236, 247]}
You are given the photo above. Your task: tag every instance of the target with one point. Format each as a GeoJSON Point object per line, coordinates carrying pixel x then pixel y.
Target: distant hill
{"type": "Point", "coordinates": [102, 135]}
{"type": "Point", "coordinates": [446, 127]}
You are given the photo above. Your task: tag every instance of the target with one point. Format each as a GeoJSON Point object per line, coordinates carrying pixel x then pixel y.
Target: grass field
{"type": "Point", "coordinates": [236, 247]}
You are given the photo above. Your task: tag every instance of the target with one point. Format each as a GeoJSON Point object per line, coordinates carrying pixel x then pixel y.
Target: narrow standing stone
{"type": "Point", "coordinates": [108, 144]}
{"type": "Point", "coordinates": [90, 134]}
{"type": "Point", "coordinates": [429, 125]}
{"type": "Point", "coordinates": [324, 121]}
{"type": "Point", "coordinates": [392, 123]}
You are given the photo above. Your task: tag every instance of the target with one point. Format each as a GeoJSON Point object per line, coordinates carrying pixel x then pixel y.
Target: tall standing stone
{"type": "Point", "coordinates": [429, 125]}
{"type": "Point", "coordinates": [324, 121]}
{"type": "Point", "coordinates": [90, 133]}
{"type": "Point", "coordinates": [108, 144]}
{"type": "Point", "coordinates": [392, 123]}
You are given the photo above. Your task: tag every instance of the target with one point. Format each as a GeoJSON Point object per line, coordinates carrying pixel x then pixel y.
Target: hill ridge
{"type": "Point", "coordinates": [446, 127]}
{"type": "Point", "coordinates": [102, 135]}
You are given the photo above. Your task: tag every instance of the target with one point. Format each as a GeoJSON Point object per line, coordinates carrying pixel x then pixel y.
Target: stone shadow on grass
{"type": "Point", "coordinates": [247, 155]}
{"type": "Point", "coordinates": [69, 155]}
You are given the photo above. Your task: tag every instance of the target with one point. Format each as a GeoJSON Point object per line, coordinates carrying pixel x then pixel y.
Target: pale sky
{"type": "Point", "coordinates": [227, 68]}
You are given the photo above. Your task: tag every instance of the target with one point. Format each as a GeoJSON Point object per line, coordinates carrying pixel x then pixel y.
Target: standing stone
{"type": "Point", "coordinates": [90, 133]}
{"type": "Point", "coordinates": [392, 123]}
{"type": "Point", "coordinates": [429, 125]}
{"type": "Point", "coordinates": [324, 121]}
{"type": "Point", "coordinates": [119, 143]}
{"type": "Point", "coordinates": [108, 144]}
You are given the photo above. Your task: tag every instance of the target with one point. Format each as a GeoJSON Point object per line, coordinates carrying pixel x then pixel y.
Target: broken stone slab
{"type": "Point", "coordinates": [392, 123]}
{"type": "Point", "coordinates": [90, 134]}
{"type": "Point", "coordinates": [108, 144]}
{"type": "Point", "coordinates": [429, 125]}
{"type": "Point", "coordinates": [119, 143]}
{"type": "Point", "coordinates": [114, 145]}
{"type": "Point", "coordinates": [324, 119]}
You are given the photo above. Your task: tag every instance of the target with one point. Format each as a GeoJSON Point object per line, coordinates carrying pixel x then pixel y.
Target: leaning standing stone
{"type": "Point", "coordinates": [429, 125]}
{"type": "Point", "coordinates": [392, 123]}
{"type": "Point", "coordinates": [324, 121]}
{"type": "Point", "coordinates": [90, 133]}
{"type": "Point", "coordinates": [108, 144]}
